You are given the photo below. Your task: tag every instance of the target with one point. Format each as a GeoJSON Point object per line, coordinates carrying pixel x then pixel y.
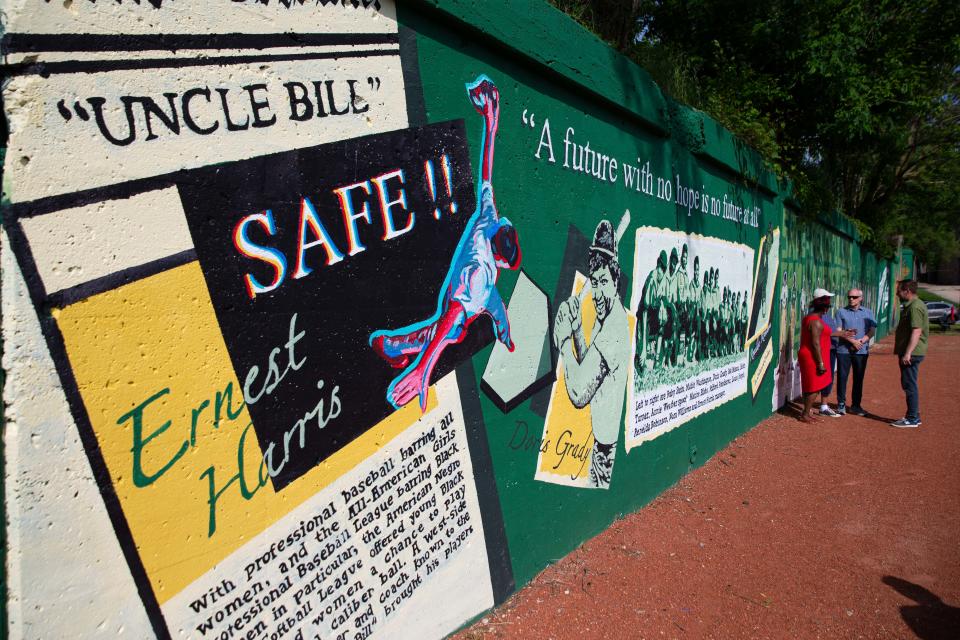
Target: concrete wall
{"type": "Point", "coordinates": [344, 320]}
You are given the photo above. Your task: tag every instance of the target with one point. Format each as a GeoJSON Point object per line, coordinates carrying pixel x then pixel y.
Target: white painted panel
{"type": "Point", "coordinates": [660, 399]}
{"type": "Point", "coordinates": [67, 577]}
{"type": "Point", "coordinates": [427, 512]}
{"type": "Point", "coordinates": [77, 245]}
{"type": "Point", "coordinates": [197, 16]}
{"type": "Point", "coordinates": [50, 153]}
{"type": "Point", "coordinates": [511, 373]}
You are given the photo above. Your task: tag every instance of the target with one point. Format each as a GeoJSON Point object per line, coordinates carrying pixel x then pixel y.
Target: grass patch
{"type": "Point", "coordinates": [929, 296]}
{"type": "Point", "coordinates": [937, 329]}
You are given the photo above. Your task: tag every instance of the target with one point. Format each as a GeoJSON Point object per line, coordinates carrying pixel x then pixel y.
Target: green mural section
{"type": "Point", "coordinates": [567, 157]}
{"type": "Point", "coordinates": [540, 292]}
{"type": "Point", "coordinates": [824, 251]}
{"type": "Point", "coordinates": [818, 254]}
{"type": "Point", "coordinates": [584, 137]}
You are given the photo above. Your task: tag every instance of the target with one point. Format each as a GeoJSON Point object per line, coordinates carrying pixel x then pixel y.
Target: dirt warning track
{"type": "Point", "coordinates": [848, 528]}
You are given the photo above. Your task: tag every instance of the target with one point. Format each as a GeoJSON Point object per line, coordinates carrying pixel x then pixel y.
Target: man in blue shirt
{"type": "Point", "coordinates": [853, 350]}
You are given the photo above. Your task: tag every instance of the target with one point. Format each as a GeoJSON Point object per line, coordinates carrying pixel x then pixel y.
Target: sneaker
{"type": "Point", "coordinates": [858, 411]}
{"type": "Point", "coordinates": [906, 423]}
{"type": "Point", "coordinates": [842, 409]}
{"type": "Point", "coordinates": [830, 413]}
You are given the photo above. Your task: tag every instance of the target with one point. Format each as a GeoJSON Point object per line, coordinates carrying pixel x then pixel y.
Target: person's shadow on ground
{"type": "Point", "coordinates": [876, 418]}
{"type": "Point", "coordinates": [794, 410]}
{"type": "Point", "coordinates": [931, 618]}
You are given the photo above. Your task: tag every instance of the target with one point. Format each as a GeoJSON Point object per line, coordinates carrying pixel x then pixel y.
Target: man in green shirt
{"type": "Point", "coordinates": [910, 346]}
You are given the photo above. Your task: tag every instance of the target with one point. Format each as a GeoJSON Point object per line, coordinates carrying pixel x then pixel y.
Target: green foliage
{"type": "Point", "coordinates": [615, 21]}
{"type": "Point", "coordinates": [856, 101]}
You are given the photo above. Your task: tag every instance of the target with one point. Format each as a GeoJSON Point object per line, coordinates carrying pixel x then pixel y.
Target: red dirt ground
{"type": "Point", "coordinates": [848, 528]}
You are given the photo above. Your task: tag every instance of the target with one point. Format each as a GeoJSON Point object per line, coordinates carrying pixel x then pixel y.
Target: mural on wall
{"type": "Point", "coordinates": [469, 291]}
{"type": "Point", "coordinates": [883, 298]}
{"type": "Point", "coordinates": [787, 378]}
{"type": "Point", "coordinates": [814, 255]}
{"type": "Point", "coordinates": [275, 357]}
{"type": "Point", "coordinates": [760, 341]}
{"type": "Point", "coordinates": [212, 321]}
{"type": "Point", "coordinates": [688, 351]}
{"type": "Point", "coordinates": [803, 273]}
{"type": "Point", "coordinates": [764, 281]}
{"type": "Point", "coordinates": [591, 331]}
{"type": "Point", "coordinates": [283, 248]}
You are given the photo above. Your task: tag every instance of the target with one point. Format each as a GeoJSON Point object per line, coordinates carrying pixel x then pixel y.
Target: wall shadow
{"type": "Point", "coordinates": [930, 618]}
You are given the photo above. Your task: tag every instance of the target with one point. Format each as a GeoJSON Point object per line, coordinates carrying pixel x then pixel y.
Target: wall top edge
{"type": "Point", "coordinates": [726, 148]}
{"type": "Point", "coordinates": [550, 38]}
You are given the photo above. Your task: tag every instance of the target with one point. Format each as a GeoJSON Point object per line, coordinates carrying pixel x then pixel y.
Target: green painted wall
{"type": "Point", "coordinates": [818, 254]}
{"type": "Point", "coordinates": [140, 258]}
{"type": "Point", "coordinates": [548, 66]}
{"type": "Point", "coordinates": [613, 105]}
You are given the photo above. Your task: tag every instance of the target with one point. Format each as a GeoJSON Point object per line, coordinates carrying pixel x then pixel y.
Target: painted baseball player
{"type": "Point", "coordinates": [489, 243]}
{"type": "Point", "coordinates": [596, 374]}
{"type": "Point", "coordinates": [695, 303]}
{"type": "Point", "coordinates": [682, 292]}
{"type": "Point", "coordinates": [674, 303]}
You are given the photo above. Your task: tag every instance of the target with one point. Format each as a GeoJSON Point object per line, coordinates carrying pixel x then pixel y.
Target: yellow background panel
{"type": "Point", "coordinates": [563, 416]}
{"type": "Point", "coordinates": [161, 332]}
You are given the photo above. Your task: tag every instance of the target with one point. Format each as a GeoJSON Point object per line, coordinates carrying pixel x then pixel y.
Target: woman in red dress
{"type": "Point", "coordinates": [814, 346]}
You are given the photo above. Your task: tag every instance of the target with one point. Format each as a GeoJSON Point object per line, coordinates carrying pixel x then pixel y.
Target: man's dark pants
{"type": "Point", "coordinates": [846, 362]}
{"type": "Point", "coordinates": [908, 380]}
{"type": "Point", "coordinates": [833, 367]}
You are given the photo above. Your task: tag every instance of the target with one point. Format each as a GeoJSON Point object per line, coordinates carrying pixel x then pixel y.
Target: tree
{"type": "Point", "coordinates": [854, 100]}
{"type": "Point", "coordinates": [615, 21]}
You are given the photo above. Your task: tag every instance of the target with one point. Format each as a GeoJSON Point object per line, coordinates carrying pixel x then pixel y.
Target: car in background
{"type": "Point", "coordinates": [941, 312]}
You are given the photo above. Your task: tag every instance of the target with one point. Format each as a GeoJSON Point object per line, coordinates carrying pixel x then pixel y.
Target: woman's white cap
{"type": "Point", "coordinates": [821, 293]}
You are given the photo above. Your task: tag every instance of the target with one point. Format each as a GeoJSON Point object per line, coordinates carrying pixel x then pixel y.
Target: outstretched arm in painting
{"type": "Point", "coordinates": [486, 100]}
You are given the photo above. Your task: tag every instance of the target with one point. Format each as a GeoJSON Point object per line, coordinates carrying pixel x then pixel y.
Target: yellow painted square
{"type": "Point", "coordinates": [159, 333]}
